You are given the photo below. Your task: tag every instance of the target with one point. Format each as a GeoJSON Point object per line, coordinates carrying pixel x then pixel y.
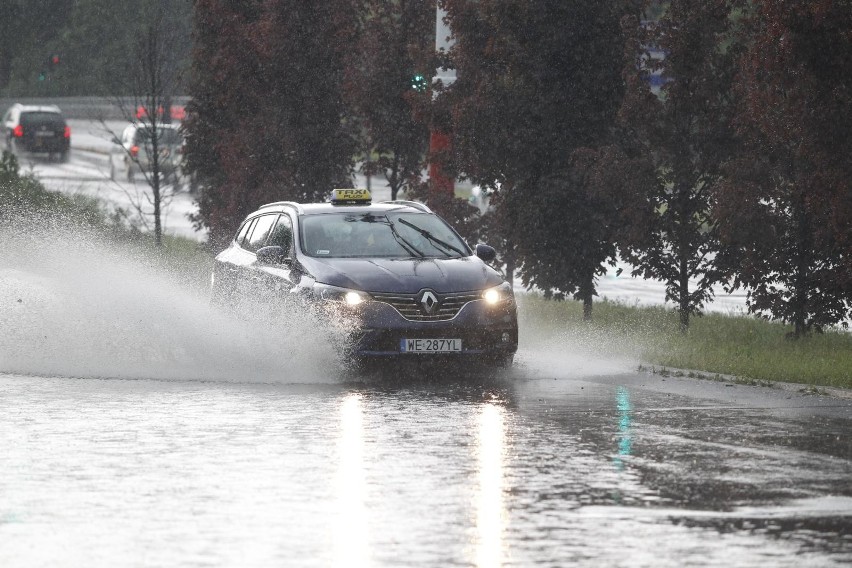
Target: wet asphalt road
{"type": "Point", "coordinates": [540, 467]}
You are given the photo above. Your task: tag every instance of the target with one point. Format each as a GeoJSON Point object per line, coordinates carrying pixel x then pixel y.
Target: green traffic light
{"type": "Point", "coordinates": [418, 83]}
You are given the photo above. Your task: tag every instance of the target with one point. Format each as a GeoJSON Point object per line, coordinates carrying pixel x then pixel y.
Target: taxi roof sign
{"type": "Point", "coordinates": [351, 197]}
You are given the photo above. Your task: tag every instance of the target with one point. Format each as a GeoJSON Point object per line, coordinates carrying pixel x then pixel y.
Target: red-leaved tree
{"type": "Point", "coordinates": [538, 81]}
{"type": "Point", "coordinates": [678, 140]}
{"type": "Point", "coordinates": [267, 118]}
{"type": "Point", "coordinates": [388, 70]}
{"type": "Point", "coordinates": [785, 207]}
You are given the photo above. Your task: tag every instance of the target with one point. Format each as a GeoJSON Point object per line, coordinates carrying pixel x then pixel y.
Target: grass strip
{"type": "Point", "coordinates": [753, 350]}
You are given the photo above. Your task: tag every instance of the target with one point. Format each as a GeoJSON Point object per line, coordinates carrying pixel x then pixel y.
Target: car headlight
{"type": "Point", "coordinates": [498, 294]}
{"type": "Point", "coordinates": [335, 294]}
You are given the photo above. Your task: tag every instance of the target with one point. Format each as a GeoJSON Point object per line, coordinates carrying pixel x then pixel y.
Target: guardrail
{"type": "Point", "coordinates": [91, 108]}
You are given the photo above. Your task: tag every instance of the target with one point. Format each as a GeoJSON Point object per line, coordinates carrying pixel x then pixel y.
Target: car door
{"type": "Point", "coordinates": [250, 282]}
{"type": "Point", "coordinates": [278, 276]}
{"type": "Point", "coordinates": [228, 268]}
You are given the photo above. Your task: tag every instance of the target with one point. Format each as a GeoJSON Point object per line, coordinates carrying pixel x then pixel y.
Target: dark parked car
{"type": "Point", "coordinates": [411, 286]}
{"type": "Point", "coordinates": [36, 130]}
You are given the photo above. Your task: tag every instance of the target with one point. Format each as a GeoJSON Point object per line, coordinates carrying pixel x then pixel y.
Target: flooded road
{"type": "Point", "coordinates": [614, 469]}
{"type": "Point", "coordinates": [141, 427]}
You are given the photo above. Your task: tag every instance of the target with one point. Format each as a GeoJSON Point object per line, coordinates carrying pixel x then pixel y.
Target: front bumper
{"type": "Point", "coordinates": [486, 332]}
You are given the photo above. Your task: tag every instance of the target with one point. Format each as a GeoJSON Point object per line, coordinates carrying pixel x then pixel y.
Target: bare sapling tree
{"type": "Point", "coordinates": [152, 146]}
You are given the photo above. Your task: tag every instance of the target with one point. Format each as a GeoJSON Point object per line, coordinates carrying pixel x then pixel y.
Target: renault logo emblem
{"type": "Point", "coordinates": [428, 302]}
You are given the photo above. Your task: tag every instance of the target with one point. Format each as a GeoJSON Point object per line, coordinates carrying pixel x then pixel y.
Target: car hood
{"type": "Point", "coordinates": [404, 276]}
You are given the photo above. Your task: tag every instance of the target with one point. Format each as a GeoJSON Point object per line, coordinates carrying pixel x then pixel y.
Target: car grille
{"type": "Point", "coordinates": [407, 305]}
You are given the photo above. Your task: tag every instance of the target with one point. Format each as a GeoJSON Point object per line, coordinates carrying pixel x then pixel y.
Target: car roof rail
{"type": "Point", "coordinates": [415, 204]}
{"type": "Point", "coordinates": [293, 204]}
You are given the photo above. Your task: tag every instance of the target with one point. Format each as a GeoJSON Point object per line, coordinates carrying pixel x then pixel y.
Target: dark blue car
{"type": "Point", "coordinates": [406, 283]}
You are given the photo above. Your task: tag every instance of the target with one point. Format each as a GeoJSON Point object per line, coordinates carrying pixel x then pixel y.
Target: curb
{"type": "Point", "coordinates": [801, 388]}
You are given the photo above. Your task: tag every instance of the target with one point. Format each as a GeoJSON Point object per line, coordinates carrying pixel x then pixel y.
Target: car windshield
{"type": "Point", "coordinates": [386, 235]}
{"type": "Point", "coordinates": [39, 118]}
{"type": "Point", "coordinates": [166, 136]}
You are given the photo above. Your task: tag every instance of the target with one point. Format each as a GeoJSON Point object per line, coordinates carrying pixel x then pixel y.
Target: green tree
{"type": "Point", "coordinates": [785, 207]}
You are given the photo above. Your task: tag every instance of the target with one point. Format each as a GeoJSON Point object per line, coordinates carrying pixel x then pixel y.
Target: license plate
{"type": "Point", "coordinates": [44, 133]}
{"type": "Point", "coordinates": [440, 345]}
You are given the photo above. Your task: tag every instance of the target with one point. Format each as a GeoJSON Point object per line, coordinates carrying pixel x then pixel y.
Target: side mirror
{"type": "Point", "coordinates": [485, 252]}
{"type": "Point", "coordinates": [272, 255]}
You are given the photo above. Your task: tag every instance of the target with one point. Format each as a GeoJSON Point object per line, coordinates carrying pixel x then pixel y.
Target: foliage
{"type": "Point", "coordinates": [537, 81]}
{"type": "Point", "coordinates": [785, 206]}
{"type": "Point", "coordinates": [267, 118]}
{"type": "Point", "coordinates": [93, 39]}
{"type": "Point", "coordinates": [463, 216]}
{"type": "Point", "coordinates": [22, 196]}
{"type": "Point", "coordinates": [563, 250]}
{"type": "Point", "coordinates": [395, 43]}
{"type": "Point", "coordinates": [676, 142]}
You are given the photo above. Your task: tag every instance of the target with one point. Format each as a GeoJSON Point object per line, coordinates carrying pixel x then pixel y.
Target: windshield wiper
{"type": "Point", "coordinates": [412, 250]}
{"type": "Point", "coordinates": [447, 246]}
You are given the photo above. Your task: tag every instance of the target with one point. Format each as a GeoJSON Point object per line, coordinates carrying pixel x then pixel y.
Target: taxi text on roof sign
{"type": "Point", "coordinates": [350, 196]}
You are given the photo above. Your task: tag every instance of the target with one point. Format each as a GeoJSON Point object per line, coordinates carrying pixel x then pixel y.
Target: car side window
{"type": "Point", "coordinates": [282, 234]}
{"type": "Point", "coordinates": [241, 234]}
{"type": "Point", "coordinates": [259, 231]}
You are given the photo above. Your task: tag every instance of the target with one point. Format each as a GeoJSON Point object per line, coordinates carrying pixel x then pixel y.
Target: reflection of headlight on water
{"type": "Point", "coordinates": [498, 294]}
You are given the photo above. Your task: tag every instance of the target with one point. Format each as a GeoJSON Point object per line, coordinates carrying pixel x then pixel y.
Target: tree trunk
{"type": "Point", "coordinates": [158, 229]}
{"type": "Point", "coordinates": [586, 294]}
{"type": "Point", "coordinates": [684, 305]}
{"type": "Point", "coordinates": [803, 256]}
{"type": "Point", "coordinates": [510, 263]}
{"type": "Point", "coordinates": [394, 180]}
{"type": "Point", "coordinates": [155, 182]}
{"type": "Point", "coordinates": [683, 296]}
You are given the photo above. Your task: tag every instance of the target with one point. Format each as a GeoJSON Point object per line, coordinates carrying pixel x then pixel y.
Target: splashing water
{"type": "Point", "coordinates": [74, 304]}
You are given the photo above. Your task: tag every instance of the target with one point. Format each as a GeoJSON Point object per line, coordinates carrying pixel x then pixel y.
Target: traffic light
{"type": "Point", "coordinates": [419, 83]}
